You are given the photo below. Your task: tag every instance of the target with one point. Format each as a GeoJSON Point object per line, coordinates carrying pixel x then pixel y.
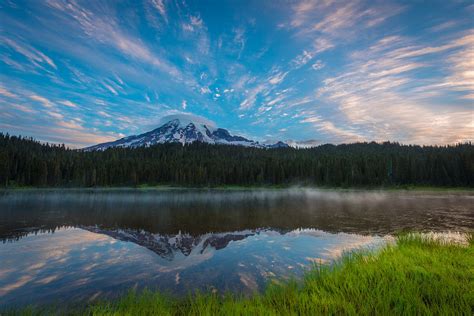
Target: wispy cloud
{"type": "Point", "coordinates": [4, 92]}
{"type": "Point", "coordinates": [160, 6]}
{"type": "Point", "coordinates": [68, 103]}
{"type": "Point", "coordinates": [327, 23]}
{"type": "Point", "coordinates": [45, 102]}
{"type": "Point", "coordinates": [318, 65]}
{"type": "Point", "coordinates": [110, 88]}
{"type": "Point", "coordinates": [277, 77]}
{"type": "Point", "coordinates": [239, 39]}
{"type": "Point", "coordinates": [108, 31]}
{"type": "Point", "coordinates": [375, 96]}
{"type": "Point", "coordinates": [21, 108]}
{"type": "Point", "coordinates": [36, 57]}
{"type": "Point", "coordinates": [251, 97]}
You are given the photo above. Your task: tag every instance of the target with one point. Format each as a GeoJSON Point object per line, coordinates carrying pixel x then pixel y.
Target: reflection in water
{"type": "Point", "coordinates": [78, 264]}
{"type": "Point", "coordinates": [169, 247]}
{"type": "Point", "coordinates": [106, 241]}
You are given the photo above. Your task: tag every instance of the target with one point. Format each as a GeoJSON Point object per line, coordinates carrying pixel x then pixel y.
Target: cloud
{"type": "Point", "coordinates": [45, 102]}
{"type": "Point", "coordinates": [160, 6]}
{"type": "Point", "coordinates": [303, 9]}
{"type": "Point", "coordinates": [68, 103]}
{"type": "Point", "coordinates": [205, 90]}
{"type": "Point", "coordinates": [298, 102]}
{"type": "Point", "coordinates": [106, 30]}
{"type": "Point", "coordinates": [239, 39]}
{"type": "Point", "coordinates": [339, 18]}
{"type": "Point", "coordinates": [321, 45]}
{"type": "Point", "coordinates": [251, 97]}
{"type": "Point", "coordinates": [70, 124]}
{"type": "Point", "coordinates": [277, 77]}
{"type": "Point", "coordinates": [33, 55]}
{"type": "Point", "coordinates": [443, 26]}
{"type": "Point", "coordinates": [338, 133]}
{"type": "Point", "coordinates": [381, 96]}
{"type": "Point", "coordinates": [55, 115]}
{"type": "Point", "coordinates": [104, 114]}
{"type": "Point", "coordinates": [185, 118]}
{"type": "Point", "coordinates": [4, 92]}
{"type": "Point", "coordinates": [276, 100]}
{"type": "Point", "coordinates": [312, 119]}
{"type": "Point", "coordinates": [196, 21]}
{"type": "Point", "coordinates": [184, 104]}
{"type": "Point", "coordinates": [462, 70]}
{"type": "Point", "coordinates": [302, 59]}
{"type": "Point", "coordinates": [110, 88]}
{"type": "Point", "coordinates": [21, 108]}
{"type": "Point", "coordinates": [318, 65]}
{"type": "Point", "coordinates": [327, 23]}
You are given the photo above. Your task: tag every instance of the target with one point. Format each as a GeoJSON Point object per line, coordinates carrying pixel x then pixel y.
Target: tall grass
{"type": "Point", "coordinates": [415, 276]}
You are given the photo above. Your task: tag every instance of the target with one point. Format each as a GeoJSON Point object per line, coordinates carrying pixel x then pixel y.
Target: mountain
{"type": "Point", "coordinates": [181, 129]}
{"type": "Point", "coordinates": [278, 144]}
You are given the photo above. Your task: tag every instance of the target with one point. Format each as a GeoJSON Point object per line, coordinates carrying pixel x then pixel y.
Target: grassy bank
{"type": "Point", "coordinates": [417, 275]}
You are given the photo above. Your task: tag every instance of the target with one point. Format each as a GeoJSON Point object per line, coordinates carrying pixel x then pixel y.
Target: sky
{"type": "Point", "coordinates": [306, 72]}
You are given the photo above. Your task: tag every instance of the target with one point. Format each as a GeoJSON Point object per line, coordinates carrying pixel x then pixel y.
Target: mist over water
{"type": "Point", "coordinates": [86, 244]}
{"type": "Point", "coordinates": [201, 211]}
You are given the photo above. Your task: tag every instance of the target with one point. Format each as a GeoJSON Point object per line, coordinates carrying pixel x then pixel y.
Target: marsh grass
{"type": "Point", "coordinates": [417, 275]}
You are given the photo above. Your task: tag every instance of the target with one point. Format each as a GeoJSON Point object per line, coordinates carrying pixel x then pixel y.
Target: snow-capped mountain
{"type": "Point", "coordinates": [184, 130]}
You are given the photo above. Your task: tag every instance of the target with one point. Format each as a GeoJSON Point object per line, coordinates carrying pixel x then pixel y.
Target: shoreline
{"type": "Point", "coordinates": [247, 188]}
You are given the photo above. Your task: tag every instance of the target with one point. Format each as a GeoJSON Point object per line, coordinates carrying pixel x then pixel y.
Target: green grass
{"type": "Point", "coordinates": [416, 276]}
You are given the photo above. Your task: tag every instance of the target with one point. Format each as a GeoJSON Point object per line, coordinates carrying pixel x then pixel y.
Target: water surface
{"type": "Point", "coordinates": [70, 245]}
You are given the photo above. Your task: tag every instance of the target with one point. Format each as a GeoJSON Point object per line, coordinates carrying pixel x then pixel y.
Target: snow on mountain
{"type": "Point", "coordinates": [184, 129]}
{"type": "Point", "coordinates": [278, 144]}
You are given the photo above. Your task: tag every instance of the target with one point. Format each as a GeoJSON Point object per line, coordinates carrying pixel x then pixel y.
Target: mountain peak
{"type": "Point", "coordinates": [183, 120]}
{"type": "Point", "coordinates": [184, 129]}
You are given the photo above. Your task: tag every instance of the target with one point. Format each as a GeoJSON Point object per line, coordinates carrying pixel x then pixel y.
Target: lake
{"type": "Point", "coordinates": [80, 245]}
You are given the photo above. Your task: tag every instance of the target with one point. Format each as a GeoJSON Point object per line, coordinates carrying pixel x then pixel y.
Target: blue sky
{"type": "Point", "coordinates": [83, 72]}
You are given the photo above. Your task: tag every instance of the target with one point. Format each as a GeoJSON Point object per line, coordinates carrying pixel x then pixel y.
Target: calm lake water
{"type": "Point", "coordinates": [69, 246]}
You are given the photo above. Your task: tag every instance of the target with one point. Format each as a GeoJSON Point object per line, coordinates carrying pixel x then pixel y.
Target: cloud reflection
{"type": "Point", "coordinates": [79, 264]}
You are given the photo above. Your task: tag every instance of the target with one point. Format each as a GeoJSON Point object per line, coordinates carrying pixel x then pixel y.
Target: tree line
{"type": "Point", "coordinates": [26, 162]}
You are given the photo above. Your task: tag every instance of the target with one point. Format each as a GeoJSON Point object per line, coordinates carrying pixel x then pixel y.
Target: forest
{"type": "Point", "coordinates": [25, 162]}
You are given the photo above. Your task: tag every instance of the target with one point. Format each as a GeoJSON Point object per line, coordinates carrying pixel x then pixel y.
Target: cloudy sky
{"type": "Point", "coordinates": [83, 72]}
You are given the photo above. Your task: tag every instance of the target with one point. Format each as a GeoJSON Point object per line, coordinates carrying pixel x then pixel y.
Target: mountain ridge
{"type": "Point", "coordinates": [184, 131]}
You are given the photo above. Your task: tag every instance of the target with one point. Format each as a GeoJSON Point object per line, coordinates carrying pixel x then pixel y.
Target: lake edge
{"type": "Point", "coordinates": [421, 189]}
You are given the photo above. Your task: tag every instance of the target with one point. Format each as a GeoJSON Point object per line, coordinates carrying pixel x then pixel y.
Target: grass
{"type": "Point", "coordinates": [418, 275]}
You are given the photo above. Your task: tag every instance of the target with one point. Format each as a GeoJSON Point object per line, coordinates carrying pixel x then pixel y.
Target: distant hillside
{"type": "Point", "coordinates": [24, 162]}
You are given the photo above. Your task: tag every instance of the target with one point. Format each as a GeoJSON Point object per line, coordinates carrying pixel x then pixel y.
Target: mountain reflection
{"type": "Point", "coordinates": [167, 246]}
